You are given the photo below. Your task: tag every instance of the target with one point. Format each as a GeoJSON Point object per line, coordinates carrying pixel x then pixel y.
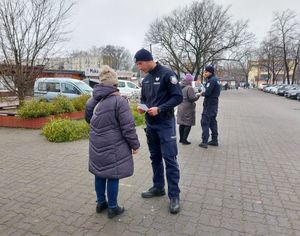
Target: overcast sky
{"type": "Point", "coordinates": [125, 22]}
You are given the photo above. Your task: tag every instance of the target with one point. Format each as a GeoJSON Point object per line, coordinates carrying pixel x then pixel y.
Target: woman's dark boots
{"type": "Point", "coordinates": [101, 207]}
{"type": "Point", "coordinates": [112, 212]}
{"type": "Point", "coordinates": [181, 129]}
{"type": "Point", "coordinates": [186, 132]}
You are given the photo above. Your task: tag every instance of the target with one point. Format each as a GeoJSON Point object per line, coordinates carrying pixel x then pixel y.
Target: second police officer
{"type": "Point", "coordinates": [160, 94]}
{"type": "Point", "coordinates": [210, 108]}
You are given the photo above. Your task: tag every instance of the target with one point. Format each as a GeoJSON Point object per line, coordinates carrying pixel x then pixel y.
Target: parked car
{"type": "Point", "coordinates": [274, 88]}
{"type": "Point", "coordinates": [262, 86]}
{"type": "Point", "coordinates": [293, 92]}
{"type": "Point", "coordinates": [129, 89]}
{"type": "Point", "coordinates": [282, 89]}
{"type": "Point", "coordinates": [268, 88]}
{"type": "Point", "coordinates": [298, 97]}
{"type": "Point", "coordinates": [50, 88]}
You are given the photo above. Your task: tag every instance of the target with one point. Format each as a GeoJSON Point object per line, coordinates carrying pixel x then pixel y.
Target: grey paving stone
{"type": "Point", "coordinates": [249, 185]}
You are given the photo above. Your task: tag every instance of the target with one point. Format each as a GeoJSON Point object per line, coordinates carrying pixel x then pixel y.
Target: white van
{"type": "Point", "coordinates": [50, 88]}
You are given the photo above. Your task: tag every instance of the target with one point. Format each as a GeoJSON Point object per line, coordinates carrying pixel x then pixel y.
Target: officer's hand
{"type": "Point", "coordinates": [153, 111]}
{"type": "Point", "coordinates": [135, 151]}
{"type": "Point", "coordinates": [202, 93]}
{"type": "Point", "coordinates": [141, 111]}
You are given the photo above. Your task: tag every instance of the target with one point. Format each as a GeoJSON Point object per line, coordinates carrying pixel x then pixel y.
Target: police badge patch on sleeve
{"type": "Point", "coordinates": [173, 79]}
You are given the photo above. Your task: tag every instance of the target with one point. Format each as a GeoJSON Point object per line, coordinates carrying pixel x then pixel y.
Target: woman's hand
{"type": "Point", "coordinates": [135, 151]}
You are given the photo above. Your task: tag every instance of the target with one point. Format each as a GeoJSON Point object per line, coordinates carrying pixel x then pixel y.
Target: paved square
{"type": "Point", "coordinates": [249, 185]}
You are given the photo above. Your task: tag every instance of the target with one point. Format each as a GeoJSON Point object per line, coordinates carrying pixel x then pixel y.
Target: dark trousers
{"type": "Point", "coordinates": [162, 146]}
{"type": "Point", "coordinates": [112, 191]}
{"type": "Point", "coordinates": [184, 131]}
{"type": "Point", "coordinates": [209, 122]}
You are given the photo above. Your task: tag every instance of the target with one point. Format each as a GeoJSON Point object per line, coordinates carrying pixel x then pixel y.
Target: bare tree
{"type": "Point", "coordinates": [286, 26]}
{"type": "Point", "coordinates": [29, 30]}
{"type": "Point", "coordinates": [246, 55]}
{"type": "Point", "coordinates": [119, 58]}
{"type": "Point", "coordinates": [193, 36]}
{"type": "Point", "coordinates": [295, 57]}
{"type": "Point", "coordinates": [270, 57]}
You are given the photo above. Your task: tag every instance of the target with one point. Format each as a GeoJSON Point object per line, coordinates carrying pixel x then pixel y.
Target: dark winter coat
{"type": "Point", "coordinates": [186, 114]}
{"type": "Point", "coordinates": [112, 133]}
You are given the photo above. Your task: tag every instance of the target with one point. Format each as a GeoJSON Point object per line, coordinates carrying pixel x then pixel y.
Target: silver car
{"type": "Point", "coordinates": [49, 88]}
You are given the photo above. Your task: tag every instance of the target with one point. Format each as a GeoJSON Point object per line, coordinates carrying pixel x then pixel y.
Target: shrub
{"type": "Point", "coordinates": [80, 102]}
{"type": "Point", "coordinates": [139, 118]}
{"type": "Point", "coordinates": [34, 109]}
{"type": "Point", "coordinates": [62, 130]}
{"type": "Point", "coordinates": [62, 105]}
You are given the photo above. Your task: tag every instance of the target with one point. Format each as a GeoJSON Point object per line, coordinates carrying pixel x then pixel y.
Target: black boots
{"type": "Point", "coordinates": [156, 192]}
{"type": "Point", "coordinates": [181, 129]}
{"type": "Point", "coordinates": [153, 192]}
{"type": "Point", "coordinates": [185, 142]}
{"type": "Point", "coordinates": [184, 131]}
{"type": "Point", "coordinates": [203, 145]}
{"type": "Point", "coordinates": [101, 206]}
{"type": "Point", "coordinates": [213, 143]}
{"type": "Point", "coordinates": [112, 212]}
{"type": "Point", "coordinates": [174, 205]}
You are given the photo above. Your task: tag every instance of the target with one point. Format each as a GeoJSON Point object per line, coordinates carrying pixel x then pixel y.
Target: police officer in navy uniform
{"type": "Point", "coordinates": [210, 108]}
{"type": "Point", "coordinates": [160, 93]}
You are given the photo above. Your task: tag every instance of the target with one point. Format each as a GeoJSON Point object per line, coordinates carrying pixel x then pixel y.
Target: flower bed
{"type": "Point", "coordinates": [36, 123]}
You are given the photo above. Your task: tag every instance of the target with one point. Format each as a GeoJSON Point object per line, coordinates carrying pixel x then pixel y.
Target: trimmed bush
{"type": "Point", "coordinates": [139, 118]}
{"type": "Point", "coordinates": [34, 109]}
{"type": "Point", "coordinates": [62, 105]}
{"type": "Point", "coordinates": [62, 130]}
{"type": "Point", "coordinates": [80, 102]}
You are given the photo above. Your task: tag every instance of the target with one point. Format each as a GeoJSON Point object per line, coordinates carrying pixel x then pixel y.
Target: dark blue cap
{"type": "Point", "coordinates": [143, 55]}
{"type": "Point", "coordinates": [210, 69]}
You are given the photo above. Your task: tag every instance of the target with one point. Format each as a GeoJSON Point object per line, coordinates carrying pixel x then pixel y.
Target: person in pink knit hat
{"type": "Point", "coordinates": [186, 114]}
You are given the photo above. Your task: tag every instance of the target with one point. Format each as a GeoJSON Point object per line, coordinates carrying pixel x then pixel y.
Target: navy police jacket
{"type": "Point", "coordinates": [212, 89]}
{"type": "Point", "coordinates": [160, 88]}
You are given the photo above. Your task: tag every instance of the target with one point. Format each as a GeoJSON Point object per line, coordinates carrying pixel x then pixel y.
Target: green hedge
{"type": "Point", "coordinates": [139, 118]}
{"type": "Point", "coordinates": [63, 105]}
{"type": "Point", "coordinates": [34, 108]}
{"type": "Point", "coordinates": [80, 102]}
{"type": "Point", "coordinates": [62, 130]}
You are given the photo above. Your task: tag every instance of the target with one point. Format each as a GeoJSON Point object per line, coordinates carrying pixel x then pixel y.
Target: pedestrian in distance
{"type": "Point", "coordinates": [210, 108]}
{"type": "Point", "coordinates": [160, 94]}
{"type": "Point", "coordinates": [186, 111]}
{"type": "Point", "coordinates": [112, 141]}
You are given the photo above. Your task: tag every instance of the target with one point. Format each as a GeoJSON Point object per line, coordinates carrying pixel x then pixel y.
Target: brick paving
{"type": "Point", "coordinates": [249, 185]}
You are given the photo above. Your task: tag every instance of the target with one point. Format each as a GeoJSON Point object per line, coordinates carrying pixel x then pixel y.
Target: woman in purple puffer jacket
{"type": "Point", "coordinates": [113, 140]}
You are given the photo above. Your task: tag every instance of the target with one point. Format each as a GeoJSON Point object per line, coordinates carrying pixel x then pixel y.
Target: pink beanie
{"type": "Point", "coordinates": [188, 77]}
